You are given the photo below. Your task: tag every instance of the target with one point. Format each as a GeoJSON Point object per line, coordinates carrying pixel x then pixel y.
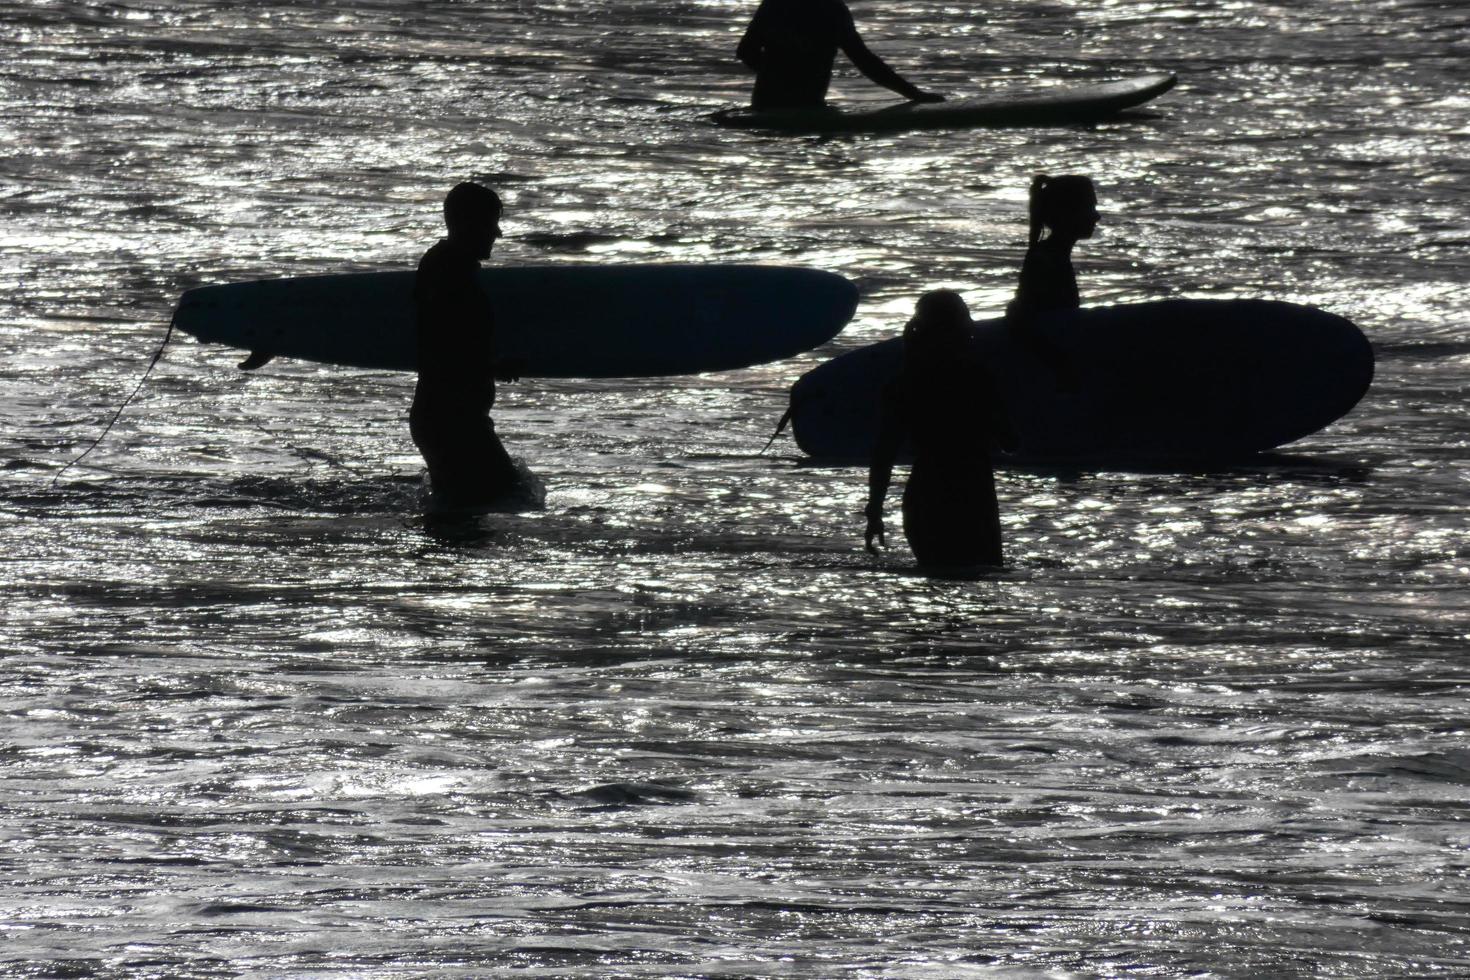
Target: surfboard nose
{"type": "Point", "coordinates": [837, 299]}
{"type": "Point", "coordinates": [192, 314]}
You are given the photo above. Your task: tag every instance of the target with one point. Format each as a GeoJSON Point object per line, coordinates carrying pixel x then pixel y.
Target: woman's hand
{"type": "Point", "coordinates": [874, 514]}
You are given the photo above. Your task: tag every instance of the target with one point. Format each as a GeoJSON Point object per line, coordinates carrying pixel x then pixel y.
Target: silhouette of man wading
{"type": "Point", "coordinates": [791, 45]}
{"type": "Point", "coordinates": [457, 363]}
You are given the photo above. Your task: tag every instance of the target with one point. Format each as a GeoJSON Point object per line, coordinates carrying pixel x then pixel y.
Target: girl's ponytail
{"type": "Point", "coordinates": [1033, 207]}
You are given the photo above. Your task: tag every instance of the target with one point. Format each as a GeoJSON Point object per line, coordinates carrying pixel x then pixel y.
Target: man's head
{"type": "Point", "coordinates": [472, 214]}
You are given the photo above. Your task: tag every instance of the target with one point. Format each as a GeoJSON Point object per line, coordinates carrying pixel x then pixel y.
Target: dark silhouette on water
{"type": "Point", "coordinates": [457, 362]}
{"type": "Point", "coordinates": [1063, 210]}
{"type": "Point", "coordinates": [791, 46]}
{"type": "Point", "coordinates": [943, 402]}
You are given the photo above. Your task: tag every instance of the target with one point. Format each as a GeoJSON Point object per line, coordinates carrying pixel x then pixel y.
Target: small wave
{"type": "Point", "coordinates": [633, 794]}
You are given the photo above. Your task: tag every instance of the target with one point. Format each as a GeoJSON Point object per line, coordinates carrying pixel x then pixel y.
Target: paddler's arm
{"type": "Point", "coordinates": [752, 45]}
{"type": "Point", "coordinates": [876, 68]}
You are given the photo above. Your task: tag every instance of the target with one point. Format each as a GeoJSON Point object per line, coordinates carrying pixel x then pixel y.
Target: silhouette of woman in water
{"type": "Point", "coordinates": [791, 45]}
{"type": "Point", "coordinates": [457, 360]}
{"type": "Point", "coordinates": [1063, 210]}
{"type": "Point", "coordinates": [942, 401]}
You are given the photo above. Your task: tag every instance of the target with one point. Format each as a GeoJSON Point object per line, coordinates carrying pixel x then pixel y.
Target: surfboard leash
{"type": "Point", "coordinates": [157, 356]}
{"type": "Point", "coordinates": [309, 456]}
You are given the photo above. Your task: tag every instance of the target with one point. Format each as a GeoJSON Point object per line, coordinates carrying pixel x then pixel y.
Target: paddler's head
{"type": "Point", "coordinates": [472, 214]}
{"type": "Point", "coordinates": [1067, 205]}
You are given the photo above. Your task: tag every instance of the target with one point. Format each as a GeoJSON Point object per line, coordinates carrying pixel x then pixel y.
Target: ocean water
{"type": "Point", "coordinates": [260, 717]}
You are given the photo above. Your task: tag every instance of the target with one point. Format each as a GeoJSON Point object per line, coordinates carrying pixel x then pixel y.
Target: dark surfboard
{"type": "Point", "coordinates": [558, 321]}
{"type": "Point", "coordinates": [1162, 382]}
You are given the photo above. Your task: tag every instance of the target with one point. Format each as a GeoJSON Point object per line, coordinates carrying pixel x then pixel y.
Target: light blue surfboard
{"type": "Point", "coordinates": [559, 321]}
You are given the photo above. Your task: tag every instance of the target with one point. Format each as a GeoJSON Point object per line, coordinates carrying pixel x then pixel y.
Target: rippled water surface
{"type": "Point", "coordinates": [260, 717]}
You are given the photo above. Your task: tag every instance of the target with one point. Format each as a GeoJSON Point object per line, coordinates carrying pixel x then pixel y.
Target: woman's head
{"type": "Point", "coordinates": [1067, 205]}
{"type": "Point", "coordinates": [940, 327]}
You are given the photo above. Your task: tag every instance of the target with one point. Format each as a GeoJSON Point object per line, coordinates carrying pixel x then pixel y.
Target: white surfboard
{"type": "Point", "coordinates": [559, 321]}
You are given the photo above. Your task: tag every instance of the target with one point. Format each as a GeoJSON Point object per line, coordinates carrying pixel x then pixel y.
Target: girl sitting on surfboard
{"type": "Point", "coordinates": [1065, 209]}
{"type": "Point", "coordinates": [942, 402]}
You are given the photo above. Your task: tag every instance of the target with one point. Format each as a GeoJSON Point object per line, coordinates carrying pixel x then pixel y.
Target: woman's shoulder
{"type": "Point", "coordinates": [1047, 280]}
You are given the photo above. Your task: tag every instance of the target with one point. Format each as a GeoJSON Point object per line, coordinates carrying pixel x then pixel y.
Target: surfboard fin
{"type": "Point", "coordinates": [256, 359]}
{"type": "Point", "coordinates": [780, 427]}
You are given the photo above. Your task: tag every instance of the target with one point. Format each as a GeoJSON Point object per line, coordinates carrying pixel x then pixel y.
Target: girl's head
{"type": "Point", "coordinates": [1066, 205]}
{"type": "Point", "coordinates": [940, 329]}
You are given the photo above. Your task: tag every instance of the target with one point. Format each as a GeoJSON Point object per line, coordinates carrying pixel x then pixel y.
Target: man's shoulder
{"type": "Point", "coordinates": [444, 260]}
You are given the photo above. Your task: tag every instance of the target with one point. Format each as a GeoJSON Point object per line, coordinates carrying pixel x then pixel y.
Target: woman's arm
{"type": "Point", "coordinates": [880, 467]}
{"type": "Point", "coordinates": [993, 409]}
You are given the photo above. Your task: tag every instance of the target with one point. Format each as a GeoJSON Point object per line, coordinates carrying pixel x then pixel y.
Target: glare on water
{"type": "Point", "coordinates": [261, 715]}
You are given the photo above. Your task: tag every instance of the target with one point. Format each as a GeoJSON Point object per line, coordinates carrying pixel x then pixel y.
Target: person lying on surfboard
{"type": "Point", "coordinates": [1063, 211]}
{"type": "Point", "coordinates": [457, 362]}
{"type": "Point", "coordinates": [791, 45]}
{"type": "Point", "coordinates": [943, 403]}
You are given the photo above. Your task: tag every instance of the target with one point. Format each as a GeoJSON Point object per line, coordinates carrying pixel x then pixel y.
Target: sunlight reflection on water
{"type": "Point", "coordinates": [262, 715]}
